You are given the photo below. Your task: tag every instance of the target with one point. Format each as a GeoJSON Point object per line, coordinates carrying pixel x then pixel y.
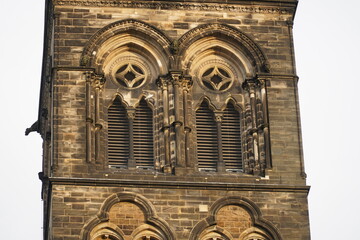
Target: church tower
{"type": "Point", "coordinates": [171, 120]}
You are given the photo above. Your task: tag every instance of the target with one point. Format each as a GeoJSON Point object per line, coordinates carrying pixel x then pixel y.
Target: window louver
{"type": "Point", "coordinates": [231, 139]}
{"type": "Point", "coordinates": [143, 136]}
{"type": "Point", "coordinates": [207, 143]}
{"type": "Point", "coordinates": [118, 135]}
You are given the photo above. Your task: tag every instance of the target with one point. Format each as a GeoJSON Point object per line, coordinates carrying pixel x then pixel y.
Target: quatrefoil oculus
{"type": "Point", "coordinates": [216, 78]}
{"type": "Point", "coordinates": [130, 76]}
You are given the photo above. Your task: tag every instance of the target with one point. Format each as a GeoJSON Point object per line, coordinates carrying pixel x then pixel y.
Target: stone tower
{"type": "Point", "coordinates": [167, 120]}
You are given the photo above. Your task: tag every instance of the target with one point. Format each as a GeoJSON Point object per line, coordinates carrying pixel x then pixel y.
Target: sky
{"type": "Point", "coordinates": [326, 37]}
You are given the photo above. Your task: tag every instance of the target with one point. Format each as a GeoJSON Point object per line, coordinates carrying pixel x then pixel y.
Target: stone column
{"type": "Point", "coordinates": [176, 80]}
{"type": "Point", "coordinates": [163, 83]}
{"type": "Point", "coordinates": [98, 84]}
{"type": "Point", "coordinates": [252, 133]}
{"type": "Point", "coordinates": [220, 164]}
{"type": "Point", "coordinates": [89, 120]}
{"type": "Point", "coordinates": [130, 113]}
{"type": "Point", "coordinates": [263, 92]}
{"type": "Point", "coordinates": [186, 85]}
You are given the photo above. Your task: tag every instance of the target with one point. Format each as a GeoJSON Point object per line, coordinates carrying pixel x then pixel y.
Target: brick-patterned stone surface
{"type": "Point", "coordinates": [127, 216]}
{"type": "Point", "coordinates": [77, 24]}
{"type": "Point", "coordinates": [74, 206]}
{"type": "Point", "coordinates": [234, 219]}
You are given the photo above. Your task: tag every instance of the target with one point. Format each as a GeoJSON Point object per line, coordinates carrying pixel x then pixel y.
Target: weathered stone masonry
{"type": "Point", "coordinates": [171, 48]}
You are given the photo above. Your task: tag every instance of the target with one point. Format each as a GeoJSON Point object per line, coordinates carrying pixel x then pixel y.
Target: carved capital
{"type": "Point", "coordinates": [89, 76]}
{"type": "Point", "coordinates": [218, 117]}
{"type": "Point", "coordinates": [163, 82]}
{"type": "Point", "coordinates": [250, 84]}
{"type": "Point", "coordinates": [186, 82]}
{"type": "Point", "coordinates": [176, 78]}
{"type": "Point", "coordinates": [130, 113]}
{"type": "Point", "coordinates": [98, 81]}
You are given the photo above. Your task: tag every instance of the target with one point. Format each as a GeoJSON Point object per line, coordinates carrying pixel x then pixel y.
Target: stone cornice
{"type": "Point", "coordinates": [232, 6]}
{"type": "Point", "coordinates": [178, 184]}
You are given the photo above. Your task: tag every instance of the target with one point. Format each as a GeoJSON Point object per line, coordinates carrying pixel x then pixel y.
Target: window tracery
{"type": "Point", "coordinates": [230, 136]}
{"type": "Point", "coordinates": [130, 76]}
{"type": "Point", "coordinates": [216, 78]}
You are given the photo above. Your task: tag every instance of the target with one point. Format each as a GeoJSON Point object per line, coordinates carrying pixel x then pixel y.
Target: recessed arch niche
{"type": "Point", "coordinates": [115, 212]}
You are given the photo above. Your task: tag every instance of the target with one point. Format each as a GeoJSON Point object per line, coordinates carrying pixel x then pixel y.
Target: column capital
{"type": "Point", "coordinates": [130, 113]}
{"type": "Point", "coordinates": [163, 82]}
{"type": "Point", "coordinates": [97, 80]}
{"type": "Point", "coordinates": [250, 84]}
{"type": "Point", "coordinates": [218, 117]}
{"type": "Point", "coordinates": [187, 82]}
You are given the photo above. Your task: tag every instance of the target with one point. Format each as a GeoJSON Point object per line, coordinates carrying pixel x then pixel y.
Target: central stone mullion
{"type": "Point", "coordinates": [131, 112]}
{"type": "Point", "coordinates": [218, 119]}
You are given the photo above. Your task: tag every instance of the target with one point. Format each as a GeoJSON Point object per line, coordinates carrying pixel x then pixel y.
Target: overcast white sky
{"type": "Point", "coordinates": [327, 38]}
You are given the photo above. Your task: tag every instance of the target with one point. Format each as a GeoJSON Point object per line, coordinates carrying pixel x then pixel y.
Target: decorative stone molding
{"type": "Point", "coordinates": [256, 217]}
{"type": "Point", "coordinates": [143, 203]}
{"type": "Point", "coordinates": [249, 47]}
{"type": "Point", "coordinates": [120, 77]}
{"type": "Point", "coordinates": [178, 6]}
{"type": "Point", "coordinates": [96, 41]}
{"type": "Point", "coordinates": [206, 71]}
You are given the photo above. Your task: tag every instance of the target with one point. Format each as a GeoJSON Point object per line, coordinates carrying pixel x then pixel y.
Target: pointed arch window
{"type": "Point", "coordinates": [207, 141]}
{"type": "Point", "coordinates": [118, 135]}
{"type": "Point", "coordinates": [231, 139]}
{"type": "Point", "coordinates": [143, 136]}
{"type": "Point", "coordinates": [130, 136]}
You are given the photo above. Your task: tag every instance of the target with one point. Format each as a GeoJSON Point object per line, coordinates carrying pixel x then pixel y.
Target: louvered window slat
{"type": "Point", "coordinates": [143, 136]}
{"type": "Point", "coordinates": [207, 144]}
{"type": "Point", "coordinates": [118, 135]}
{"type": "Point", "coordinates": [231, 139]}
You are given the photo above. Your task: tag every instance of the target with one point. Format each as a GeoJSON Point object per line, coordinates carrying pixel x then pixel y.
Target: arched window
{"type": "Point", "coordinates": [130, 136]}
{"type": "Point", "coordinates": [207, 141]}
{"type": "Point", "coordinates": [143, 136]}
{"type": "Point", "coordinates": [118, 135]}
{"type": "Point", "coordinates": [231, 139]}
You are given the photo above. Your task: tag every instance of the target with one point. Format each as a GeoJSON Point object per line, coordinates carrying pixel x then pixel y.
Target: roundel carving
{"type": "Point", "coordinates": [215, 75]}
{"type": "Point", "coordinates": [129, 72]}
{"type": "Point", "coordinates": [216, 78]}
{"type": "Point", "coordinates": [130, 75]}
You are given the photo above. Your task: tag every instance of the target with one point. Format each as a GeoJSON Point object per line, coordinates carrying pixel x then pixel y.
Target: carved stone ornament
{"type": "Point", "coordinates": [215, 75]}
{"type": "Point", "coordinates": [130, 75]}
{"type": "Point", "coordinates": [176, 5]}
{"type": "Point", "coordinates": [129, 72]}
{"type": "Point", "coordinates": [216, 78]}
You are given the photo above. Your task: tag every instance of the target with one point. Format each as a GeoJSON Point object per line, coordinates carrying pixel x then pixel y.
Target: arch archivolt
{"type": "Point", "coordinates": [248, 219]}
{"type": "Point", "coordinates": [130, 31]}
{"type": "Point", "coordinates": [228, 38]}
{"type": "Point", "coordinates": [104, 223]}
